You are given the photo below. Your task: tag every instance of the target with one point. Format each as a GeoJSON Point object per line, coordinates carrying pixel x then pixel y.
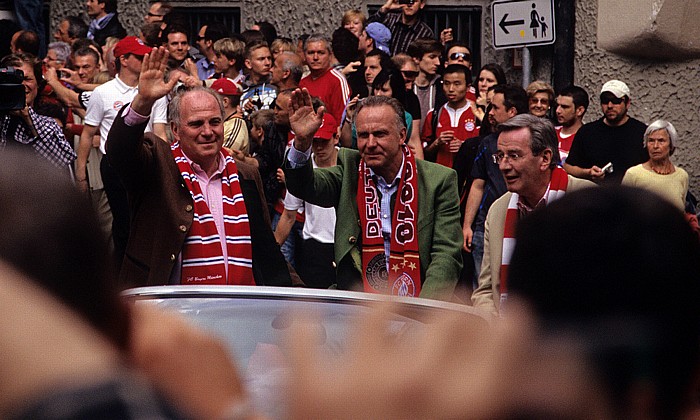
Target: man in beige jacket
{"type": "Point", "coordinates": [528, 157]}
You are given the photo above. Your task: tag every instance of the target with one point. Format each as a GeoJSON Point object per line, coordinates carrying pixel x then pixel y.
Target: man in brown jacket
{"type": "Point", "coordinates": [189, 224]}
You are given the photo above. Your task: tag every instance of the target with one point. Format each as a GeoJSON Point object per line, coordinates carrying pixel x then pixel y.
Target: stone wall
{"type": "Point", "coordinates": [660, 89]}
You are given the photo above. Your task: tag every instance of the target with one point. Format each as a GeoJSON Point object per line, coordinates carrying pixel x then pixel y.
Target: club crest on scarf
{"type": "Point", "coordinates": [401, 276]}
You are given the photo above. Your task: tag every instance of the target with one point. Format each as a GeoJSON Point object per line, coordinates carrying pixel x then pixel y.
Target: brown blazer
{"type": "Point", "coordinates": [161, 211]}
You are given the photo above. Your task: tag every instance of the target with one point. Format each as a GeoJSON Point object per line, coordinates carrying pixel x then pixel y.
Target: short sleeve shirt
{"type": "Point", "coordinates": [106, 101]}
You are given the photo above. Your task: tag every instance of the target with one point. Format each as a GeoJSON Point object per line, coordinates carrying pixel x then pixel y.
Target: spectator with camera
{"type": "Point", "coordinates": [74, 87]}
{"type": "Point", "coordinates": [20, 125]}
{"type": "Point", "coordinates": [402, 17]}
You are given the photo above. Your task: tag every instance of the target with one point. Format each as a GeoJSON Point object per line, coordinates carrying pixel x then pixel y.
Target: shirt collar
{"type": "Point", "coordinates": [200, 172]}
{"type": "Point", "coordinates": [411, 25]}
{"type": "Point", "coordinates": [395, 182]}
{"type": "Point", "coordinates": [123, 87]}
{"type": "Point", "coordinates": [458, 110]}
{"type": "Point", "coordinates": [103, 18]}
{"type": "Point", "coordinates": [524, 209]}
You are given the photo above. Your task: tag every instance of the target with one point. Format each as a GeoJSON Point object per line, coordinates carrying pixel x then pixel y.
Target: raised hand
{"type": "Point", "coordinates": [446, 36]}
{"type": "Point", "coordinates": [303, 119]}
{"type": "Point", "coordinates": [50, 74]}
{"type": "Point", "coordinates": [351, 67]}
{"type": "Point", "coordinates": [391, 5]}
{"type": "Point", "coordinates": [191, 67]}
{"type": "Point", "coordinates": [71, 76]}
{"type": "Point", "coordinates": [152, 85]}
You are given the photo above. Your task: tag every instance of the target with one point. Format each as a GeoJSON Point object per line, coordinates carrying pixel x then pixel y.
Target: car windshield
{"type": "Point", "coordinates": [254, 330]}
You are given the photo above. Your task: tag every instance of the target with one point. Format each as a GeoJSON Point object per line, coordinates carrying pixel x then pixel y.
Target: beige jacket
{"type": "Point", "coordinates": [487, 295]}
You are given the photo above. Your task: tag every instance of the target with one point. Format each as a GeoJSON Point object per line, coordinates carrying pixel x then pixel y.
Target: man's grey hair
{"type": "Point", "coordinates": [376, 101]}
{"type": "Point", "coordinates": [319, 38]}
{"type": "Point", "coordinates": [62, 50]}
{"type": "Point", "coordinates": [176, 103]}
{"type": "Point", "coordinates": [542, 134]}
{"type": "Point", "coordinates": [291, 62]}
{"type": "Point", "coordinates": [662, 125]}
{"type": "Point", "coordinates": [77, 28]}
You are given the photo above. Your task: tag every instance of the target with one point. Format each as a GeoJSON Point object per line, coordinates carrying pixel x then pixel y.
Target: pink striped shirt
{"type": "Point", "coordinates": [211, 189]}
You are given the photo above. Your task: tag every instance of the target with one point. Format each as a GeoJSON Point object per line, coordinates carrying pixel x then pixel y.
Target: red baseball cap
{"type": "Point", "coordinates": [131, 45]}
{"type": "Point", "coordinates": [328, 128]}
{"type": "Point", "coordinates": [225, 86]}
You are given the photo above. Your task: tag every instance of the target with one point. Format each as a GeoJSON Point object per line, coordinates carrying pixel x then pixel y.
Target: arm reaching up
{"type": "Point", "coordinates": [152, 85]}
{"type": "Point", "coordinates": [303, 119]}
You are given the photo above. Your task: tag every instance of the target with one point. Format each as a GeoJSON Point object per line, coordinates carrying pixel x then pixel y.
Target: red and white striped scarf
{"type": "Point", "coordinates": [403, 277]}
{"type": "Point", "coordinates": [202, 256]}
{"type": "Point", "coordinates": [556, 190]}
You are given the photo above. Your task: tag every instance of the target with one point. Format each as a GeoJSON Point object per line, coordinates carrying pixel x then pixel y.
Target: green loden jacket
{"type": "Point", "coordinates": [439, 229]}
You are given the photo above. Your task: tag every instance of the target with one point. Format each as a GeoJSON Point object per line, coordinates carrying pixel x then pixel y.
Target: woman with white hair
{"type": "Point", "coordinates": [658, 174]}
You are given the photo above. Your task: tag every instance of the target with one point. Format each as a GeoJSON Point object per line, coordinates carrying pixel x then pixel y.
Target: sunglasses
{"type": "Point", "coordinates": [604, 99]}
{"type": "Point", "coordinates": [543, 101]}
{"type": "Point", "coordinates": [409, 73]}
{"type": "Point", "coordinates": [458, 55]}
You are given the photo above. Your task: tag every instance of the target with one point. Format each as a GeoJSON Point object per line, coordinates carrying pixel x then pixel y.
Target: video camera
{"type": "Point", "coordinates": [11, 89]}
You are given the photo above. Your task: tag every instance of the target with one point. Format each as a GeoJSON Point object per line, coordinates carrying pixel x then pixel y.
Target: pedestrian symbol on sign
{"type": "Point", "coordinates": [521, 23]}
{"type": "Point", "coordinates": [535, 20]}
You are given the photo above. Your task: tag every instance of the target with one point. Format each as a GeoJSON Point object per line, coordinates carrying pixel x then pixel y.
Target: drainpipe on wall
{"type": "Point", "coordinates": [563, 60]}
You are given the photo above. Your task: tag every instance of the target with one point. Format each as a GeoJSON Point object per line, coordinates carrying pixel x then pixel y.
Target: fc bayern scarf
{"type": "Point", "coordinates": [556, 190]}
{"type": "Point", "coordinates": [202, 256]}
{"type": "Point", "coordinates": [403, 276]}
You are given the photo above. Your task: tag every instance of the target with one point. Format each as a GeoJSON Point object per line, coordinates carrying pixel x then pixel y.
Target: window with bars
{"type": "Point", "coordinates": [465, 22]}
{"type": "Point", "coordinates": [198, 16]}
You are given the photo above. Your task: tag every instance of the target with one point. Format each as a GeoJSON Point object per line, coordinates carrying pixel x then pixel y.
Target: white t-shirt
{"type": "Point", "coordinates": [106, 101]}
{"type": "Point", "coordinates": [319, 222]}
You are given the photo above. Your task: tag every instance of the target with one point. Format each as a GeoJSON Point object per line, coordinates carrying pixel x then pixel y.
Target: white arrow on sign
{"type": "Point", "coordinates": [522, 23]}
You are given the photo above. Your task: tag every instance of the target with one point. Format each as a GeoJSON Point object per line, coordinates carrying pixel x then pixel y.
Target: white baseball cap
{"type": "Point", "coordinates": [617, 88]}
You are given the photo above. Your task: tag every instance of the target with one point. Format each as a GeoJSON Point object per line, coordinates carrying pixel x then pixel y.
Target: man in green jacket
{"type": "Point", "coordinates": [397, 218]}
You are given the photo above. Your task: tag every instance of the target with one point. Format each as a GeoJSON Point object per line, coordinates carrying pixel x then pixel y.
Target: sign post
{"type": "Point", "coordinates": [522, 23]}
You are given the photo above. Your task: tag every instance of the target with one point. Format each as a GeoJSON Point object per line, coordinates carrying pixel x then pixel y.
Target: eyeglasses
{"type": "Point", "coordinates": [458, 55]}
{"type": "Point", "coordinates": [543, 101]}
{"type": "Point", "coordinates": [509, 157]}
{"type": "Point", "coordinates": [605, 99]}
{"type": "Point", "coordinates": [154, 15]}
{"type": "Point", "coordinates": [411, 74]}
{"type": "Point", "coordinates": [200, 38]}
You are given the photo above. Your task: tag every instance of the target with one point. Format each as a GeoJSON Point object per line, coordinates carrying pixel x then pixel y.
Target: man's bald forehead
{"type": "Point", "coordinates": [198, 93]}
{"type": "Point", "coordinates": [286, 56]}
